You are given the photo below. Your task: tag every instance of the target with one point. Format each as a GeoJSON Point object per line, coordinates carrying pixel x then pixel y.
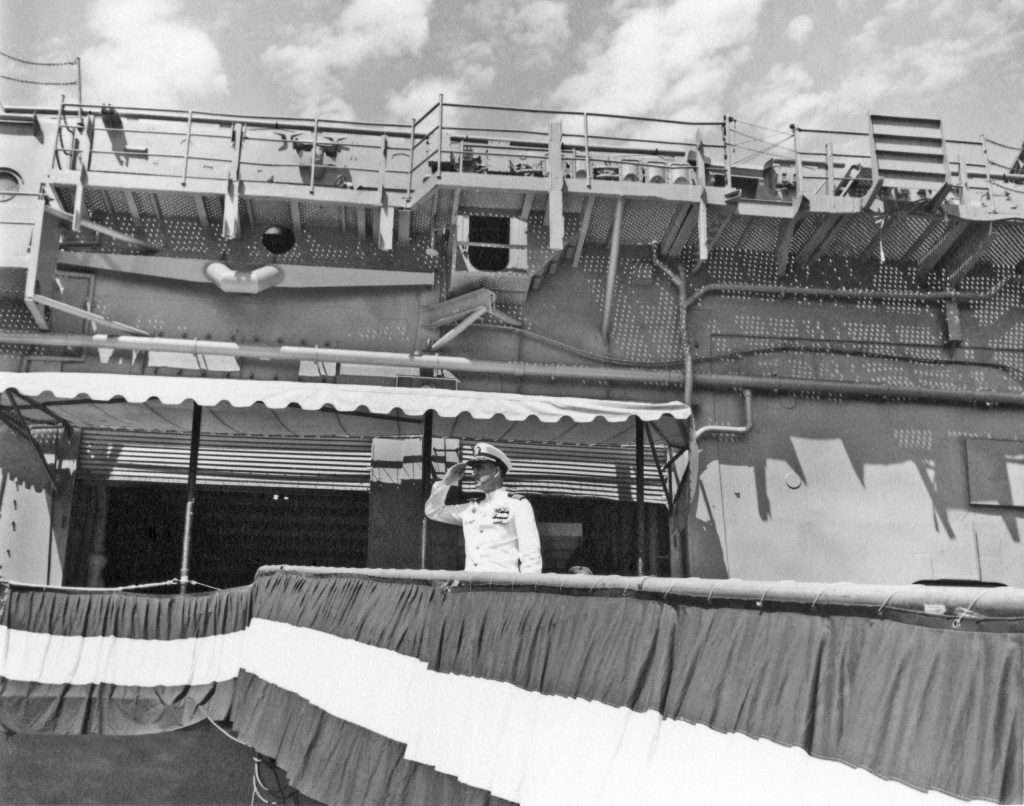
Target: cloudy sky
{"type": "Point", "coordinates": [772, 62]}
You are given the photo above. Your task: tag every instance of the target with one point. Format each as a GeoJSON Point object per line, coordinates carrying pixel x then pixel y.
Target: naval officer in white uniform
{"type": "Point", "coordinates": [500, 531]}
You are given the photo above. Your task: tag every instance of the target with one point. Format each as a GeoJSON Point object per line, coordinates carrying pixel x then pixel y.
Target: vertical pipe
{"type": "Point", "coordinates": [98, 555]}
{"type": "Point", "coordinates": [613, 268]}
{"type": "Point", "coordinates": [642, 547]}
{"type": "Point", "coordinates": [78, 64]}
{"type": "Point", "coordinates": [190, 495]}
{"type": "Point", "coordinates": [426, 471]}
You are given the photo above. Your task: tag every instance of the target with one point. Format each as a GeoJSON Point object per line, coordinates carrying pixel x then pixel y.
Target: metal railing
{"type": "Point", "coordinates": [515, 141]}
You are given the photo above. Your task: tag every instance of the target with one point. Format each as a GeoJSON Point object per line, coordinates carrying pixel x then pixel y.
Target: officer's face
{"type": "Point", "coordinates": [488, 477]}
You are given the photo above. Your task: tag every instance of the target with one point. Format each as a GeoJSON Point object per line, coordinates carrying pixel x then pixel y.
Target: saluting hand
{"type": "Point", "coordinates": [455, 473]}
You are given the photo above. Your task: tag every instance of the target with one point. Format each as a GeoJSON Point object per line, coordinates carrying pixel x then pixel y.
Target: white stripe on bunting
{"type": "Point", "coordinates": [537, 749]}
{"type": "Point", "coordinates": [75, 660]}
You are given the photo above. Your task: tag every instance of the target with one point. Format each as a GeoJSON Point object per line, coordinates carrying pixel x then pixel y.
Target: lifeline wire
{"type": "Point", "coordinates": [38, 64]}
{"type": "Point", "coordinates": [43, 83]}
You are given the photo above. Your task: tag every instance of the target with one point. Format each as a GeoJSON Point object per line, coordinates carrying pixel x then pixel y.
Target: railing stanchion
{"type": "Point", "coordinates": [58, 141]}
{"type": "Point", "coordinates": [725, 151]}
{"type": "Point", "coordinates": [797, 160]}
{"type": "Point", "coordinates": [988, 168]}
{"type": "Point", "coordinates": [830, 170]}
{"type": "Point", "coordinates": [440, 134]}
{"type": "Point", "coordinates": [586, 147]}
{"type": "Point", "coordinates": [412, 152]}
{"type": "Point", "coordinates": [188, 148]}
{"type": "Point", "coordinates": [312, 162]}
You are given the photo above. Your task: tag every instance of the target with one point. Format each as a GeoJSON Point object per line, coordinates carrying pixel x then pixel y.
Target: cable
{"type": "Point", "coordinates": [42, 83]}
{"type": "Point", "coordinates": [38, 64]}
{"type": "Point", "coordinates": [990, 141]}
{"type": "Point", "coordinates": [273, 797]}
{"type": "Point", "coordinates": [759, 126]}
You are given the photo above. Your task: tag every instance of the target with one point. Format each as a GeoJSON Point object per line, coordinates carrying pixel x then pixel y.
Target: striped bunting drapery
{"type": "Point", "coordinates": [388, 690]}
{"type": "Point", "coordinates": [113, 662]}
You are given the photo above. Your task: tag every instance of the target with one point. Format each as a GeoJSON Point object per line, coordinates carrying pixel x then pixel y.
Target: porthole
{"type": "Point", "coordinates": [10, 183]}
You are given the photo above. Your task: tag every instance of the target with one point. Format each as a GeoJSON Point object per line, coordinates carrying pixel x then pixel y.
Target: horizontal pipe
{"type": "Point", "coordinates": [839, 293]}
{"type": "Point", "coordinates": [990, 601]}
{"type": "Point", "coordinates": [855, 389]}
{"type": "Point", "coordinates": [289, 353]}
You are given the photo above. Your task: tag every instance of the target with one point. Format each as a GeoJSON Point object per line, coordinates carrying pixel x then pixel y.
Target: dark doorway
{"type": "Point", "coordinates": [235, 531]}
{"type": "Point", "coordinates": [489, 229]}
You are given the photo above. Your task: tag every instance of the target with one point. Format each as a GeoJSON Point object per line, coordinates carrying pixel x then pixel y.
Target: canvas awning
{"type": "Point", "coordinates": [155, 403]}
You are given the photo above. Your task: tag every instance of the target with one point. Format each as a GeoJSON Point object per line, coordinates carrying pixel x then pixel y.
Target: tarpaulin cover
{"type": "Point", "coordinates": [387, 690]}
{"type": "Point", "coordinates": [447, 403]}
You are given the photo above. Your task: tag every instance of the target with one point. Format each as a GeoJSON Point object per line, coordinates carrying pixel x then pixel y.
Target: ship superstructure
{"type": "Point", "coordinates": [840, 312]}
{"type": "Point", "coordinates": [235, 347]}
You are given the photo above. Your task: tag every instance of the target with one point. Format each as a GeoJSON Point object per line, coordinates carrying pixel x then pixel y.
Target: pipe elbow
{"type": "Point", "coordinates": [232, 281]}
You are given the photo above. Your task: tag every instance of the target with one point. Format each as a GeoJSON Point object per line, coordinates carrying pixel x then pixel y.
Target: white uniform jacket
{"type": "Point", "coordinates": [500, 531]}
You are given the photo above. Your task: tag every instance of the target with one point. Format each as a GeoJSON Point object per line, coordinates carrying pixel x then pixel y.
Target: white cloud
{"type": "Point", "coordinates": [800, 28]}
{"type": "Point", "coordinates": [664, 60]}
{"type": "Point", "coordinates": [538, 30]}
{"type": "Point", "coordinates": [365, 30]}
{"type": "Point", "coordinates": [471, 72]}
{"type": "Point", "coordinates": [149, 55]}
{"type": "Point", "coordinates": [908, 57]}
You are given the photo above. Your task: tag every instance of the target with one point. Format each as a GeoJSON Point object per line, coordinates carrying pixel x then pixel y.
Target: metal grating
{"type": "Point", "coordinates": [601, 220]}
{"type": "Point", "coordinates": [118, 202]}
{"type": "Point", "coordinates": [855, 234]}
{"type": "Point", "coordinates": [902, 235]}
{"type": "Point", "coordinates": [214, 206]}
{"type": "Point", "coordinates": [272, 211]}
{"type": "Point", "coordinates": [919, 252]}
{"type": "Point", "coordinates": [322, 215]}
{"type": "Point", "coordinates": [1006, 246]}
{"type": "Point", "coordinates": [727, 232]}
{"type": "Point", "coordinates": [644, 220]}
{"type": "Point", "coordinates": [762, 235]}
{"type": "Point", "coordinates": [14, 316]}
{"type": "Point", "coordinates": [805, 229]}
{"type": "Point", "coordinates": [188, 236]}
{"type": "Point", "coordinates": [146, 203]}
{"type": "Point", "coordinates": [177, 205]}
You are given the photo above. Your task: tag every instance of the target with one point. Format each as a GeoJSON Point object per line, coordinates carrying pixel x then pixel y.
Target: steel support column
{"type": "Point", "coordinates": [190, 496]}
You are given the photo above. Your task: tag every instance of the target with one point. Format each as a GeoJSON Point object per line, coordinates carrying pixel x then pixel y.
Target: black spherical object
{"type": "Point", "coordinates": [278, 240]}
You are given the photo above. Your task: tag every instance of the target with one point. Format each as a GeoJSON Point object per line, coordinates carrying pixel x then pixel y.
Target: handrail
{"type": "Point", "coordinates": [734, 150]}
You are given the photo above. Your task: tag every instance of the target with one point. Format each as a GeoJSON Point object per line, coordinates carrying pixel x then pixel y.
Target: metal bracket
{"type": "Point", "coordinates": [20, 426]}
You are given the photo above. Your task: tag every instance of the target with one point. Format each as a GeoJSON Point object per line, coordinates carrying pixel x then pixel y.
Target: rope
{"type": "Point", "coordinates": [965, 612]}
{"type": "Point", "coordinates": [759, 126]}
{"type": "Point", "coordinates": [38, 64]}
{"type": "Point", "coordinates": [45, 83]}
{"type": "Point", "coordinates": [990, 141]}
{"type": "Point", "coordinates": [881, 608]}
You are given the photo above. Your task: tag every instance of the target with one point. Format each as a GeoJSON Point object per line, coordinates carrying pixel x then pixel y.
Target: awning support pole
{"type": "Point", "coordinates": [190, 495]}
{"type": "Point", "coordinates": [641, 532]}
{"type": "Point", "coordinates": [427, 470]}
